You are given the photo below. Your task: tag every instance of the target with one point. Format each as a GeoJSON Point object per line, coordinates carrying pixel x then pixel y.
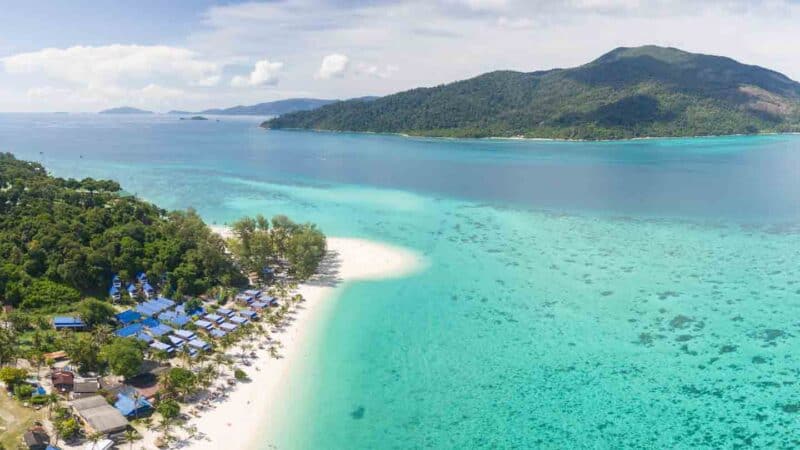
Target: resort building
{"type": "Point", "coordinates": [98, 415]}
{"type": "Point", "coordinates": [68, 323]}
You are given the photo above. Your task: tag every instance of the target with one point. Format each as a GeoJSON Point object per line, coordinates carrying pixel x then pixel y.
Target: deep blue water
{"type": "Point", "coordinates": [639, 294]}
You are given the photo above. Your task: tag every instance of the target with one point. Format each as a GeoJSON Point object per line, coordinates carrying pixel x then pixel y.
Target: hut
{"type": "Point", "coordinates": [63, 380]}
{"type": "Point", "coordinates": [85, 387]}
{"type": "Point", "coordinates": [68, 323]}
{"type": "Point", "coordinates": [36, 439]}
{"type": "Point", "coordinates": [98, 415]}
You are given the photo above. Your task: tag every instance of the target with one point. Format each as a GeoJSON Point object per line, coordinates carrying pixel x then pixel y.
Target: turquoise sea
{"type": "Point", "coordinates": [641, 294]}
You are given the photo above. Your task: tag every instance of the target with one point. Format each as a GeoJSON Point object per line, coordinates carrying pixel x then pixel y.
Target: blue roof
{"type": "Point", "coordinates": [238, 320]}
{"type": "Point", "coordinates": [186, 334]}
{"type": "Point", "coordinates": [131, 288]}
{"type": "Point", "coordinates": [128, 406]}
{"type": "Point", "coordinates": [258, 305]}
{"type": "Point", "coordinates": [114, 290]}
{"type": "Point", "coordinates": [162, 346]}
{"type": "Point", "coordinates": [176, 319]}
{"type": "Point", "coordinates": [203, 323]}
{"type": "Point", "coordinates": [229, 326]}
{"type": "Point", "coordinates": [217, 333]}
{"type": "Point", "coordinates": [159, 330]}
{"type": "Point", "coordinates": [144, 337]}
{"type": "Point", "coordinates": [197, 343]}
{"type": "Point", "coordinates": [176, 341]}
{"type": "Point", "coordinates": [129, 316]}
{"type": "Point", "coordinates": [253, 292]}
{"type": "Point", "coordinates": [224, 311]}
{"type": "Point", "coordinates": [67, 322]}
{"type": "Point", "coordinates": [130, 330]}
{"type": "Point", "coordinates": [213, 317]}
{"type": "Point", "coordinates": [147, 287]}
{"type": "Point", "coordinates": [141, 276]}
{"type": "Point", "coordinates": [249, 313]}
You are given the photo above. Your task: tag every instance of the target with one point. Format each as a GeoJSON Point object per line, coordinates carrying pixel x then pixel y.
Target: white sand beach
{"type": "Point", "coordinates": [238, 421]}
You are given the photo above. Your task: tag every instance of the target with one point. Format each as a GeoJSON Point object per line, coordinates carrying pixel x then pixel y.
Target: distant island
{"type": "Point", "coordinates": [125, 110]}
{"type": "Point", "coordinates": [265, 109]}
{"type": "Point", "coordinates": [647, 91]}
{"type": "Point", "coordinates": [194, 118]}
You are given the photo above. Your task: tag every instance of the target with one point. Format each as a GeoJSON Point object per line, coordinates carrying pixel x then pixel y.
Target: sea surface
{"type": "Point", "coordinates": [640, 294]}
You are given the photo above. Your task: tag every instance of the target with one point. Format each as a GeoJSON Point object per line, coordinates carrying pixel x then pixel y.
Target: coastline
{"type": "Point", "coordinates": [242, 421]}
{"type": "Point", "coordinates": [536, 139]}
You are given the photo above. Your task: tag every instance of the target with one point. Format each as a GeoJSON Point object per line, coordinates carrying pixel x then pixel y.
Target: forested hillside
{"type": "Point", "coordinates": [626, 93]}
{"type": "Point", "coordinates": [63, 238]}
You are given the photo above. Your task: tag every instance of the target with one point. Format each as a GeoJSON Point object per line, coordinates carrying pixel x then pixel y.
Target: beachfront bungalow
{"type": "Point", "coordinates": [98, 415]}
{"type": "Point", "coordinates": [227, 326]}
{"type": "Point", "coordinates": [271, 301]}
{"type": "Point", "coordinates": [225, 312]}
{"type": "Point", "coordinates": [217, 333]}
{"type": "Point", "coordinates": [116, 282]}
{"type": "Point", "coordinates": [204, 324]}
{"type": "Point", "coordinates": [248, 313]}
{"type": "Point", "coordinates": [268, 274]}
{"type": "Point", "coordinates": [68, 323]}
{"type": "Point", "coordinates": [162, 347]}
{"type": "Point", "coordinates": [200, 345]}
{"type": "Point", "coordinates": [238, 320]}
{"type": "Point", "coordinates": [114, 293]}
{"type": "Point", "coordinates": [258, 305]}
{"type": "Point", "coordinates": [132, 290]}
{"type": "Point", "coordinates": [186, 335]}
{"type": "Point", "coordinates": [128, 317]}
{"type": "Point", "coordinates": [141, 277]}
{"type": "Point", "coordinates": [214, 318]}
{"type": "Point", "coordinates": [255, 293]}
{"type": "Point", "coordinates": [244, 299]}
{"type": "Point", "coordinates": [148, 290]}
{"type": "Point", "coordinates": [175, 341]}
{"type": "Point", "coordinates": [130, 404]}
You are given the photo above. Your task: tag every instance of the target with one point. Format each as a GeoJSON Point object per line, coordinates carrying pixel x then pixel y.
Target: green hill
{"type": "Point", "coordinates": [626, 93]}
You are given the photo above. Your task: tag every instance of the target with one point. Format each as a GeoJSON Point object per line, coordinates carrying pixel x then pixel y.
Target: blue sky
{"type": "Point", "coordinates": [161, 55]}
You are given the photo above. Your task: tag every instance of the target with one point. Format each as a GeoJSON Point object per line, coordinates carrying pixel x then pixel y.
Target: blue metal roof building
{"type": "Point", "coordinates": [67, 322]}
{"type": "Point", "coordinates": [130, 405]}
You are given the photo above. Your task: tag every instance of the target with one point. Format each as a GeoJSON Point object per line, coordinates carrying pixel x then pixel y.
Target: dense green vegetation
{"type": "Point", "coordinates": [627, 93]}
{"type": "Point", "coordinates": [61, 239]}
{"type": "Point", "coordinates": [257, 246]}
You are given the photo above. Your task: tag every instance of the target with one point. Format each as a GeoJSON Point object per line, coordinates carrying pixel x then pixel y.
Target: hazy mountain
{"type": "Point", "coordinates": [125, 110]}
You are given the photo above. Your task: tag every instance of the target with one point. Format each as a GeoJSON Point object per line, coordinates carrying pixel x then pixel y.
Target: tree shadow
{"type": "Point", "coordinates": [328, 271]}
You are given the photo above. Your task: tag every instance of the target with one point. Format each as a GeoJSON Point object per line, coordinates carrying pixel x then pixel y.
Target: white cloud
{"type": "Point", "coordinates": [372, 70]}
{"type": "Point", "coordinates": [333, 65]}
{"type": "Point", "coordinates": [265, 72]}
{"type": "Point", "coordinates": [114, 64]}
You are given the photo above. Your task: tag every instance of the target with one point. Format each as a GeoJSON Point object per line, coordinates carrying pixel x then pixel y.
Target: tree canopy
{"type": "Point", "coordinates": [64, 238]}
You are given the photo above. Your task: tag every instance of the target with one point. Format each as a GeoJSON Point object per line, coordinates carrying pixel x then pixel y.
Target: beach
{"type": "Point", "coordinates": [242, 420]}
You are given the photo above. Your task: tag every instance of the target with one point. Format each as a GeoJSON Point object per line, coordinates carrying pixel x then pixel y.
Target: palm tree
{"type": "Point", "coordinates": [129, 437]}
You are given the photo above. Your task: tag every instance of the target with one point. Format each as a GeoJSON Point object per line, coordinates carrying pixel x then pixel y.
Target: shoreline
{"type": "Point", "coordinates": [243, 420]}
{"type": "Point", "coordinates": [536, 139]}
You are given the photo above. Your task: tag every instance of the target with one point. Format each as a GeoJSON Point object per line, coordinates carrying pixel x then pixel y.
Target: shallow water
{"type": "Point", "coordinates": [580, 295]}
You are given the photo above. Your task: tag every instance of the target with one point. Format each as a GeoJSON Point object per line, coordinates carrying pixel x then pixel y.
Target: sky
{"type": "Point", "coordinates": [85, 56]}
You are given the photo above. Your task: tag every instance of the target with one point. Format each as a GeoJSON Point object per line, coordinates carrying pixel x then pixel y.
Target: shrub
{"type": "Point", "coordinates": [240, 374]}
